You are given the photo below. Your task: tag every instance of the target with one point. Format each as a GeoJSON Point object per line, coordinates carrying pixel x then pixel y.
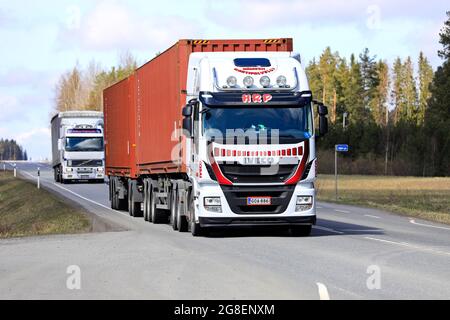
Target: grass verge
{"type": "Point", "coordinates": [27, 211]}
{"type": "Point", "coordinates": [425, 198]}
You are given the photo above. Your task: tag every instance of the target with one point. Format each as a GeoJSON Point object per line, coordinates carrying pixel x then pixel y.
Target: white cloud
{"type": "Point", "coordinates": [112, 26]}
{"type": "Point", "coordinates": [33, 134]}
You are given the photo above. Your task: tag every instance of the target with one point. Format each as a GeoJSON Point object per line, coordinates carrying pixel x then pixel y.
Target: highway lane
{"type": "Point", "coordinates": [153, 262]}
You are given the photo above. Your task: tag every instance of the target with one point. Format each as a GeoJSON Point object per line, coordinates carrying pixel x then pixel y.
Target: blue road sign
{"type": "Point", "coordinates": [342, 147]}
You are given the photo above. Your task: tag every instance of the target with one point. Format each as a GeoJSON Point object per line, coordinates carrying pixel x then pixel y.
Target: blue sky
{"type": "Point", "coordinates": [42, 39]}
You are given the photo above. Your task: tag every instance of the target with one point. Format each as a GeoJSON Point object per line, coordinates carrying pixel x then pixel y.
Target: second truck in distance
{"type": "Point", "coordinates": [77, 146]}
{"type": "Point", "coordinates": [215, 133]}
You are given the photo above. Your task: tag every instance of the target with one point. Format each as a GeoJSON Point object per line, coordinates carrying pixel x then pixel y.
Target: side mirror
{"type": "Point", "coordinates": [187, 127]}
{"type": "Point", "coordinates": [323, 125]}
{"type": "Point", "coordinates": [187, 111]}
{"type": "Point", "coordinates": [323, 120]}
{"type": "Point", "coordinates": [323, 111]}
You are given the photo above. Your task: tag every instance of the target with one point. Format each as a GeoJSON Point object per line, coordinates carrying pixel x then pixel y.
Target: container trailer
{"type": "Point", "coordinates": [215, 133]}
{"type": "Point", "coordinates": [77, 146]}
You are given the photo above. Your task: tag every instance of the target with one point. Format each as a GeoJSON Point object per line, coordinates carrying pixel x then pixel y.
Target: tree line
{"type": "Point", "coordinates": [396, 118]}
{"type": "Point", "coordinates": [11, 151]}
{"type": "Point", "coordinates": [82, 89]}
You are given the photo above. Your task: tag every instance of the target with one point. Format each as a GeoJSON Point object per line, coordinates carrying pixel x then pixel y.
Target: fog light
{"type": "Point", "coordinates": [232, 81]}
{"type": "Point", "coordinates": [248, 81]}
{"type": "Point", "coordinates": [265, 81]}
{"type": "Point", "coordinates": [214, 209]}
{"type": "Point", "coordinates": [281, 81]}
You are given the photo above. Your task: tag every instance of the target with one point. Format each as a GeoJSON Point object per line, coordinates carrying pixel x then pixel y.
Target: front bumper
{"type": "Point", "coordinates": [231, 215]}
{"type": "Point", "coordinates": [94, 175]}
{"type": "Point", "coordinates": [245, 221]}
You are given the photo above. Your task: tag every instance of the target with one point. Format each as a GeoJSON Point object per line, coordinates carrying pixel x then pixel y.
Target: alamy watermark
{"type": "Point", "coordinates": [73, 281]}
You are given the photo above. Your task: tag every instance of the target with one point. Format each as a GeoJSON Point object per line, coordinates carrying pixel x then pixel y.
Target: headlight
{"type": "Point", "coordinates": [213, 204]}
{"type": "Point", "coordinates": [304, 203]}
{"type": "Point", "coordinates": [304, 200]}
{"type": "Point", "coordinates": [281, 81]}
{"type": "Point", "coordinates": [69, 169]}
{"type": "Point", "coordinates": [100, 169]}
{"type": "Point", "coordinates": [265, 81]}
{"type": "Point", "coordinates": [212, 201]}
{"type": "Point", "coordinates": [232, 81]}
{"type": "Point", "coordinates": [248, 81]}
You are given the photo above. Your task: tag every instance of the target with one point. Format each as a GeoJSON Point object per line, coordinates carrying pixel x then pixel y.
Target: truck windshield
{"type": "Point", "coordinates": [77, 144]}
{"type": "Point", "coordinates": [286, 125]}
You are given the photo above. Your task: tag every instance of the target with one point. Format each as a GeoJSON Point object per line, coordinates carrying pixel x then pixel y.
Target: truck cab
{"type": "Point", "coordinates": [250, 131]}
{"type": "Point", "coordinates": [79, 146]}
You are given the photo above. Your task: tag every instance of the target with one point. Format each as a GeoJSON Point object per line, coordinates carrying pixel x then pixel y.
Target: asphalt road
{"type": "Point", "coordinates": [351, 247]}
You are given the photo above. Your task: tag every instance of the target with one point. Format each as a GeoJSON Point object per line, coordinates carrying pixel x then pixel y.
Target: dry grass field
{"type": "Point", "coordinates": [426, 198]}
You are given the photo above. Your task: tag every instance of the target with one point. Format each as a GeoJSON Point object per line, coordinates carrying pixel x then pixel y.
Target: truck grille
{"type": "Point", "coordinates": [87, 163]}
{"type": "Point", "coordinates": [237, 198]}
{"type": "Point", "coordinates": [237, 173]}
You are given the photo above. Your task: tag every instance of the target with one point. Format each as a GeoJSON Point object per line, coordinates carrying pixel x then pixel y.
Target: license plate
{"type": "Point", "coordinates": [259, 201]}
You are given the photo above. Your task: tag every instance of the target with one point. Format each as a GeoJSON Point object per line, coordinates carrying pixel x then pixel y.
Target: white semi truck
{"type": "Point", "coordinates": [77, 146]}
{"type": "Point", "coordinates": [216, 133]}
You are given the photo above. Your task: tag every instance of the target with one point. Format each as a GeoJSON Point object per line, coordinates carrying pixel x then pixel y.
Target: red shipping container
{"type": "Point", "coordinates": [120, 128]}
{"type": "Point", "coordinates": [155, 111]}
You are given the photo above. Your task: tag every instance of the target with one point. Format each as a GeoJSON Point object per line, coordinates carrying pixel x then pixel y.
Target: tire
{"type": "Point", "coordinates": [134, 208]}
{"type": "Point", "coordinates": [174, 209]}
{"type": "Point", "coordinates": [112, 184]}
{"type": "Point", "coordinates": [145, 213]}
{"type": "Point", "coordinates": [182, 224]}
{"type": "Point", "coordinates": [157, 215]}
{"type": "Point", "coordinates": [301, 231]}
{"type": "Point", "coordinates": [122, 204]}
{"type": "Point", "coordinates": [196, 229]}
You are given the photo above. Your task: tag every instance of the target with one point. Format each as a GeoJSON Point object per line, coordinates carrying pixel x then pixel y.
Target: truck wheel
{"type": "Point", "coordinates": [196, 229]}
{"type": "Point", "coordinates": [145, 200]}
{"type": "Point", "coordinates": [122, 204]}
{"type": "Point", "coordinates": [157, 215]}
{"type": "Point", "coordinates": [301, 231]}
{"type": "Point", "coordinates": [174, 209]}
{"type": "Point", "coordinates": [112, 193]}
{"type": "Point", "coordinates": [149, 200]}
{"type": "Point", "coordinates": [134, 208]}
{"type": "Point", "coordinates": [182, 224]}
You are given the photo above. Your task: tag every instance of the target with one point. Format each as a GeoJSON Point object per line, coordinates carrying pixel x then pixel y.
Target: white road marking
{"type": "Point", "coordinates": [87, 199]}
{"type": "Point", "coordinates": [319, 207]}
{"type": "Point", "coordinates": [323, 291]}
{"type": "Point", "coordinates": [427, 225]}
{"type": "Point", "coordinates": [79, 196]}
{"type": "Point", "coordinates": [341, 211]}
{"type": "Point", "coordinates": [371, 216]}
{"type": "Point", "coordinates": [327, 229]}
{"type": "Point", "coordinates": [408, 245]}
{"type": "Point", "coordinates": [362, 230]}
